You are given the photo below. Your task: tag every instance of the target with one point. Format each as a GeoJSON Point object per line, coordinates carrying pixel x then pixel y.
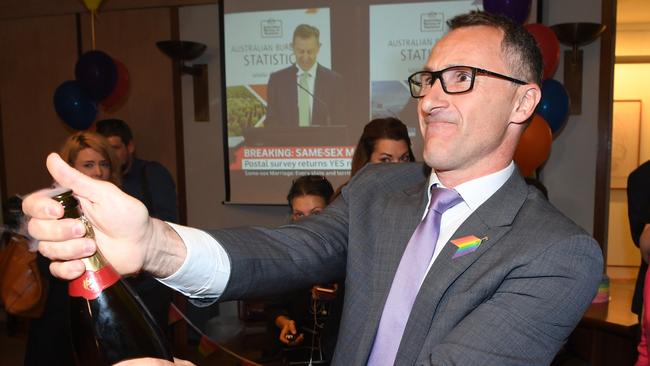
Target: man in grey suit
{"type": "Point", "coordinates": [305, 85]}
{"type": "Point", "coordinates": [509, 276]}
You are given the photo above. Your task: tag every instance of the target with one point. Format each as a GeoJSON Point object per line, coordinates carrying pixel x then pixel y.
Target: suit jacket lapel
{"type": "Point", "coordinates": [318, 112]}
{"type": "Point", "coordinates": [401, 216]}
{"type": "Point", "coordinates": [491, 220]}
{"type": "Point", "coordinates": [321, 111]}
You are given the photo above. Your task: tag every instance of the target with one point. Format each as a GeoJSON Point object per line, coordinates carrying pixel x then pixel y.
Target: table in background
{"type": "Point", "coordinates": [607, 333]}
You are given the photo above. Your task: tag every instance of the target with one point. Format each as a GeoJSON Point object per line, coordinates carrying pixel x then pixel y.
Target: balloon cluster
{"type": "Point", "coordinates": [553, 109]}
{"type": "Point", "coordinates": [99, 79]}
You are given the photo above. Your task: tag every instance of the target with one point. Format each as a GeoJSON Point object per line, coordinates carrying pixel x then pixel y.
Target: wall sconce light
{"type": "Point", "coordinates": [181, 51]}
{"type": "Point", "coordinates": [575, 35]}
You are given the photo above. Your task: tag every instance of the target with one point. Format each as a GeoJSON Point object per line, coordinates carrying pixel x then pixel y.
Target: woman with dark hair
{"type": "Point", "coordinates": [309, 195]}
{"type": "Point", "coordinates": [384, 140]}
{"type": "Point", "coordinates": [313, 312]}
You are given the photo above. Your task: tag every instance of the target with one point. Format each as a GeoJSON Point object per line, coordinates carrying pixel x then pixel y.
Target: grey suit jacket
{"type": "Point", "coordinates": [514, 301]}
{"type": "Point", "coordinates": [282, 98]}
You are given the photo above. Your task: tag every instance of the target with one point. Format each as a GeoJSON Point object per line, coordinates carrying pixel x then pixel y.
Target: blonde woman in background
{"type": "Point", "coordinates": [91, 154]}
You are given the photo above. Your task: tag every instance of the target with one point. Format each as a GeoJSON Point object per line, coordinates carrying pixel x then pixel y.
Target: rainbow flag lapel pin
{"type": "Point", "coordinates": [466, 245]}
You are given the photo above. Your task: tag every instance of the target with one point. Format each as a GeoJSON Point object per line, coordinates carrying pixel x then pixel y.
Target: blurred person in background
{"type": "Point", "coordinates": [384, 140]}
{"type": "Point", "coordinates": [290, 315]}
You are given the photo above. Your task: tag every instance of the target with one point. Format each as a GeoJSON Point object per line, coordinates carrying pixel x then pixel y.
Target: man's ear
{"type": "Point", "coordinates": [131, 147]}
{"type": "Point", "coordinates": [526, 102]}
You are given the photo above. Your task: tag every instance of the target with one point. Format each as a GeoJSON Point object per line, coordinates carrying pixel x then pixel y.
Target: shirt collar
{"type": "Point", "coordinates": [477, 191]}
{"type": "Point", "coordinates": [311, 71]}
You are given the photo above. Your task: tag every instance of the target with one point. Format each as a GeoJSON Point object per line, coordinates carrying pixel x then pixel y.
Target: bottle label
{"type": "Point", "coordinates": [92, 283]}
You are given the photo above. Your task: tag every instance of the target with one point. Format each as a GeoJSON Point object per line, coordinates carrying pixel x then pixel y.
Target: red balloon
{"type": "Point", "coordinates": [549, 46]}
{"type": "Point", "coordinates": [534, 146]}
{"type": "Point", "coordinates": [119, 93]}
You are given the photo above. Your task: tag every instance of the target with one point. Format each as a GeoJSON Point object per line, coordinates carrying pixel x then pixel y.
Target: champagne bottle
{"type": "Point", "coordinates": [109, 322]}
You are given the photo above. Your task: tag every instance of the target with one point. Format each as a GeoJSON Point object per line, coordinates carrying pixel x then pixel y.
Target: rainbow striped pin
{"type": "Point", "coordinates": [466, 245]}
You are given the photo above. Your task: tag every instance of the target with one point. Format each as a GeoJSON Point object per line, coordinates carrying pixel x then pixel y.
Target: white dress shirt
{"type": "Point", "coordinates": [206, 269]}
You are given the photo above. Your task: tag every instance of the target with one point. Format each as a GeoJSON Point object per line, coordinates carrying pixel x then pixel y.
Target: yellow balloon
{"type": "Point", "coordinates": [92, 5]}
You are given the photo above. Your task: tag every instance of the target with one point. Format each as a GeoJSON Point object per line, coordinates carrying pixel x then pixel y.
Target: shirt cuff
{"type": "Point", "coordinates": [206, 269]}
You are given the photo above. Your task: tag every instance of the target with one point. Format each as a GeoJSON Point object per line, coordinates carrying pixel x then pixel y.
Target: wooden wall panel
{"type": "Point", "coordinates": [130, 36]}
{"type": "Point", "coordinates": [37, 54]}
{"type": "Point", "coordinates": [40, 53]}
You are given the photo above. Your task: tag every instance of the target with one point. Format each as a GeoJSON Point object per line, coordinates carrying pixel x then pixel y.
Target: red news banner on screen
{"type": "Point", "coordinates": [263, 174]}
{"type": "Point", "coordinates": [293, 160]}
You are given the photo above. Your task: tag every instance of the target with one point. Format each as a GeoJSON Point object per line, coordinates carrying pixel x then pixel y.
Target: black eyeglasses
{"type": "Point", "coordinates": [454, 80]}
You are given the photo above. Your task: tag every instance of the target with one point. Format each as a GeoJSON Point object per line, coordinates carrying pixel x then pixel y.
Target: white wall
{"type": "Point", "coordinates": [569, 173]}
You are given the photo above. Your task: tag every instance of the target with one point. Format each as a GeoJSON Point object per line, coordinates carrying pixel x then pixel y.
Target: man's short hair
{"type": "Point", "coordinates": [306, 31]}
{"type": "Point", "coordinates": [518, 46]}
{"type": "Point", "coordinates": [114, 127]}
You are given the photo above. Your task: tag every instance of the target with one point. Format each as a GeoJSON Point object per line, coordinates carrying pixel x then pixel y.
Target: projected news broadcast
{"type": "Point", "coordinates": [283, 103]}
{"type": "Point", "coordinates": [301, 83]}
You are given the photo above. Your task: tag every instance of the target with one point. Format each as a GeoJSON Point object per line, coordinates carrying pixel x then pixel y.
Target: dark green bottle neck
{"type": "Point", "coordinates": [70, 204]}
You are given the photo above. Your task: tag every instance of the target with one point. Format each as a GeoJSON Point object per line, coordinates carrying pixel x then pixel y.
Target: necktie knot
{"type": "Point", "coordinates": [443, 199]}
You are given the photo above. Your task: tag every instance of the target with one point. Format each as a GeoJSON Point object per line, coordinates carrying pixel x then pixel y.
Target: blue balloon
{"type": "Point", "coordinates": [97, 74]}
{"type": "Point", "coordinates": [554, 105]}
{"type": "Point", "coordinates": [517, 10]}
{"type": "Point", "coordinates": [74, 106]}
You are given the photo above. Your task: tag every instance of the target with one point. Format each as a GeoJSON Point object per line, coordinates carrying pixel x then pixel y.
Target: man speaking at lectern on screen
{"type": "Point", "coordinates": [305, 93]}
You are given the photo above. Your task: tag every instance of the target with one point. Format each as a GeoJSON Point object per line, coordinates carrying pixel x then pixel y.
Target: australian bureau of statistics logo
{"type": "Point", "coordinates": [432, 22]}
{"type": "Point", "coordinates": [271, 28]}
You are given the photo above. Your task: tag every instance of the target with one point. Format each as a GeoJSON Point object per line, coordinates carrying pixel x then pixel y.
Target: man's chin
{"type": "Point", "coordinates": [438, 163]}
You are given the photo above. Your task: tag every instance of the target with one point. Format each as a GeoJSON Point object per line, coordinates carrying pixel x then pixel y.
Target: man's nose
{"type": "Point", "coordinates": [434, 98]}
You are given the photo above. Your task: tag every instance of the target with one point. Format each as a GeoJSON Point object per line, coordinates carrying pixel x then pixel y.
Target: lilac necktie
{"type": "Point", "coordinates": [406, 283]}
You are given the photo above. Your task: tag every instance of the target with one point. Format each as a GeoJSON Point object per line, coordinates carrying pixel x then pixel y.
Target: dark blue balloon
{"type": "Point", "coordinates": [517, 10]}
{"type": "Point", "coordinates": [554, 105]}
{"type": "Point", "coordinates": [74, 106]}
{"type": "Point", "coordinates": [97, 74]}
